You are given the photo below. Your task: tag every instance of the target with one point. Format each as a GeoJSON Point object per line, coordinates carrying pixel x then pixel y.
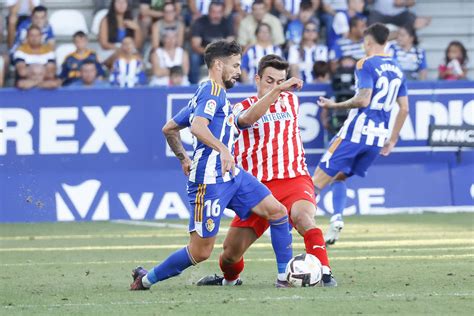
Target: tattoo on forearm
{"type": "Point", "coordinates": [176, 146]}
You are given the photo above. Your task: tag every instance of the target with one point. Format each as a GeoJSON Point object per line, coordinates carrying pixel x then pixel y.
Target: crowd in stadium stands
{"type": "Point", "coordinates": [163, 43]}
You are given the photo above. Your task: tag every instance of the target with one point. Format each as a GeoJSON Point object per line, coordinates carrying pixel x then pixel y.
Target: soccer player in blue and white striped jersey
{"type": "Point", "coordinates": [215, 183]}
{"type": "Point", "coordinates": [365, 134]}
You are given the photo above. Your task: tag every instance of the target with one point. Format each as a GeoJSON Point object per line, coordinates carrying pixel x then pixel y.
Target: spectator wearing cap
{"type": "Point", "coordinates": [294, 30]}
{"type": "Point", "coordinates": [166, 57]}
{"type": "Point", "coordinates": [88, 76]}
{"type": "Point", "coordinates": [70, 69]}
{"type": "Point", "coordinates": [39, 18]}
{"type": "Point", "coordinates": [205, 30]}
{"type": "Point", "coordinates": [254, 53]}
{"type": "Point", "coordinates": [302, 57]}
{"type": "Point", "coordinates": [259, 15]}
{"type": "Point", "coordinates": [35, 63]}
{"type": "Point", "coordinates": [352, 45]}
{"type": "Point", "coordinates": [340, 26]}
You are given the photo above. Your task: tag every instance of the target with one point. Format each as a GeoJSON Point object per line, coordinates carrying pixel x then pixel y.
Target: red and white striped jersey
{"type": "Point", "coordinates": [272, 147]}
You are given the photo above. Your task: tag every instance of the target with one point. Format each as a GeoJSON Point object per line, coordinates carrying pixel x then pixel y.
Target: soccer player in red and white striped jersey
{"type": "Point", "coordinates": [269, 146]}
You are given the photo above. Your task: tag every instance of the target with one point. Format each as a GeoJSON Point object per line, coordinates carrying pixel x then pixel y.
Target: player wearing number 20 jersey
{"type": "Point", "coordinates": [365, 134]}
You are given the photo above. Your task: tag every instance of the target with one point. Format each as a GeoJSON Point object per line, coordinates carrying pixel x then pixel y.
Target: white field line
{"type": "Point", "coordinates": [231, 299]}
{"type": "Point", "coordinates": [162, 234]}
{"type": "Point", "coordinates": [334, 258]}
{"type": "Point", "coordinates": [351, 244]}
{"type": "Point", "coordinates": [332, 252]}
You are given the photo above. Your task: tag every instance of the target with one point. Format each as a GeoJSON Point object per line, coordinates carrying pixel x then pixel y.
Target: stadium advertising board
{"type": "Point", "coordinates": [99, 154]}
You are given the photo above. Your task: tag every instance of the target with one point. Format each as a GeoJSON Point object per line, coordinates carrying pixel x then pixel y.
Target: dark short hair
{"type": "Point", "coordinates": [412, 33]}
{"type": "Point", "coordinates": [88, 62]}
{"type": "Point", "coordinates": [176, 70]}
{"type": "Point", "coordinates": [79, 34]}
{"type": "Point", "coordinates": [39, 8]}
{"type": "Point", "coordinates": [260, 25]}
{"type": "Point", "coordinates": [306, 6]}
{"type": "Point", "coordinates": [320, 69]}
{"type": "Point", "coordinates": [353, 21]}
{"type": "Point", "coordinates": [257, 2]}
{"type": "Point", "coordinates": [220, 49]}
{"type": "Point", "coordinates": [379, 33]}
{"type": "Point", "coordinates": [272, 61]}
{"type": "Point", "coordinates": [33, 27]}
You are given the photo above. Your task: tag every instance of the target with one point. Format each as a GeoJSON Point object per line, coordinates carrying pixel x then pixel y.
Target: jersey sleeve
{"type": "Point", "coordinates": [340, 24]}
{"type": "Point", "coordinates": [207, 101]}
{"type": "Point", "coordinates": [364, 76]}
{"type": "Point", "coordinates": [239, 109]}
{"type": "Point", "coordinates": [182, 117]}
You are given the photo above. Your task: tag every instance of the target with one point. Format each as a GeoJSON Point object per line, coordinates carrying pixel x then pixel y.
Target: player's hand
{"type": "Point", "coordinates": [325, 103]}
{"type": "Point", "coordinates": [291, 84]}
{"type": "Point", "coordinates": [227, 162]}
{"type": "Point", "coordinates": [186, 166]}
{"type": "Point", "coordinates": [387, 148]}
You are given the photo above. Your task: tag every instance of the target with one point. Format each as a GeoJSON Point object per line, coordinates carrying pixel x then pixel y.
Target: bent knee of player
{"type": "Point", "coordinates": [202, 255]}
{"type": "Point", "coordinates": [303, 219]}
{"type": "Point", "coordinates": [276, 211]}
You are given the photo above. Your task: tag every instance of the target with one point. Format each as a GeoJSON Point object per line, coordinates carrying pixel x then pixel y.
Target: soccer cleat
{"type": "Point", "coordinates": [335, 227]}
{"type": "Point", "coordinates": [328, 281]}
{"type": "Point", "coordinates": [214, 280]}
{"type": "Point", "coordinates": [137, 274]}
{"type": "Point", "coordinates": [282, 284]}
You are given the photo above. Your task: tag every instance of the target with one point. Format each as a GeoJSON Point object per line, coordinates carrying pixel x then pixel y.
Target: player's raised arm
{"type": "Point", "coordinates": [255, 112]}
{"type": "Point", "coordinates": [173, 138]}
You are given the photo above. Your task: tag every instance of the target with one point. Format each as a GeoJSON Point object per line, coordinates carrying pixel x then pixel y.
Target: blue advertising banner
{"type": "Point", "coordinates": [100, 154]}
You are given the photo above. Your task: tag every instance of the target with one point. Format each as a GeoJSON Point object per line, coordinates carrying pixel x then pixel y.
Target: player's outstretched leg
{"type": "Point", "coordinates": [198, 250]}
{"type": "Point", "coordinates": [336, 223]}
{"type": "Point", "coordinates": [276, 214]}
{"type": "Point", "coordinates": [231, 260]}
{"type": "Point", "coordinates": [302, 216]}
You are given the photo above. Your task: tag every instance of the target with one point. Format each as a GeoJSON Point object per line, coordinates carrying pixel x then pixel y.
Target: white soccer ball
{"type": "Point", "coordinates": [304, 270]}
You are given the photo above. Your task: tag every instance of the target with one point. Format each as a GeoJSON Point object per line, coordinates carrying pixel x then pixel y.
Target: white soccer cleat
{"type": "Point", "coordinates": [335, 226]}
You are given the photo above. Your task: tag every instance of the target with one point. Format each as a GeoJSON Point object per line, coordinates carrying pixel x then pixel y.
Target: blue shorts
{"type": "Point", "coordinates": [348, 157]}
{"type": "Point", "coordinates": [208, 201]}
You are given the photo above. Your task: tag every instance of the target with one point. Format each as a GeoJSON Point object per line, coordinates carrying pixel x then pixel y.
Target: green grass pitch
{"type": "Point", "coordinates": [398, 264]}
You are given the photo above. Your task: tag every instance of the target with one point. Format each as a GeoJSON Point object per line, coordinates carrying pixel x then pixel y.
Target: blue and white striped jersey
{"type": "Point", "coordinates": [347, 47]}
{"type": "Point", "coordinates": [411, 61]}
{"type": "Point", "coordinates": [369, 125]}
{"type": "Point", "coordinates": [210, 102]}
{"type": "Point", "coordinates": [253, 55]}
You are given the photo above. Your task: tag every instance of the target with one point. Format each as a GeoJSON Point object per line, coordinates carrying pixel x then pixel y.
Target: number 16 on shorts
{"type": "Point", "coordinates": [206, 211]}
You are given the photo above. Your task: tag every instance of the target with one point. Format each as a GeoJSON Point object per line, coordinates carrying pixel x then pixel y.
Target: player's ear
{"type": "Point", "coordinates": [257, 79]}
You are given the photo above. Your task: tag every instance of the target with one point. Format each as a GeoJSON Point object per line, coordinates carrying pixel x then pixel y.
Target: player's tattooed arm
{"type": "Point", "coordinates": [173, 138]}
{"type": "Point", "coordinates": [360, 100]}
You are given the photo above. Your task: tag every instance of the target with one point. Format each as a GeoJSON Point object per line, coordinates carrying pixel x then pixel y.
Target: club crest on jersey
{"type": "Point", "coordinates": [210, 225]}
{"type": "Point", "coordinates": [210, 107]}
{"type": "Point", "coordinates": [230, 120]}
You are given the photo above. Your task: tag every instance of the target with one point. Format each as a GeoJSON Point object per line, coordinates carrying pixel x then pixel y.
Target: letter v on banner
{"type": "Point", "coordinates": [85, 201]}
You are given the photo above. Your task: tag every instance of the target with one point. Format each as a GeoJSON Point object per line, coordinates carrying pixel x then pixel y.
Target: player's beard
{"type": "Point", "coordinates": [228, 84]}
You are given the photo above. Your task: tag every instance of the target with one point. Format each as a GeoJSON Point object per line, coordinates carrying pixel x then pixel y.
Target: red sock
{"type": "Point", "coordinates": [315, 245]}
{"type": "Point", "coordinates": [231, 270]}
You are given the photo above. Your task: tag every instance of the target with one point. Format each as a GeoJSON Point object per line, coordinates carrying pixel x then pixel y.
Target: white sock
{"type": "Point", "coordinates": [337, 217]}
{"type": "Point", "coordinates": [326, 270]}
{"type": "Point", "coordinates": [146, 283]}
{"type": "Point", "coordinates": [281, 277]}
{"type": "Point", "coordinates": [230, 283]}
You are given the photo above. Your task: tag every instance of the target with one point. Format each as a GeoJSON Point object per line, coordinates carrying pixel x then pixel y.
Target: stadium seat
{"type": "Point", "coordinates": [67, 22]}
{"type": "Point", "coordinates": [96, 21]}
{"type": "Point", "coordinates": [61, 52]}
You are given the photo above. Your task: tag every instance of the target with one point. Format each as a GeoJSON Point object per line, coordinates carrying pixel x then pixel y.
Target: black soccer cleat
{"type": "Point", "coordinates": [328, 280]}
{"type": "Point", "coordinates": [137, 274]}
{"type": "Point", "coordinates": [214, 280]}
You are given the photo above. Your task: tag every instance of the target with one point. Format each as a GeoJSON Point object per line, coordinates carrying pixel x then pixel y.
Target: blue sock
{"type": "Point", "coordinates": [172, 266]}
{"type": "Point", "coordinates": [339, 196]}
{"type": "Point", "coordinates": [281, 242]}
